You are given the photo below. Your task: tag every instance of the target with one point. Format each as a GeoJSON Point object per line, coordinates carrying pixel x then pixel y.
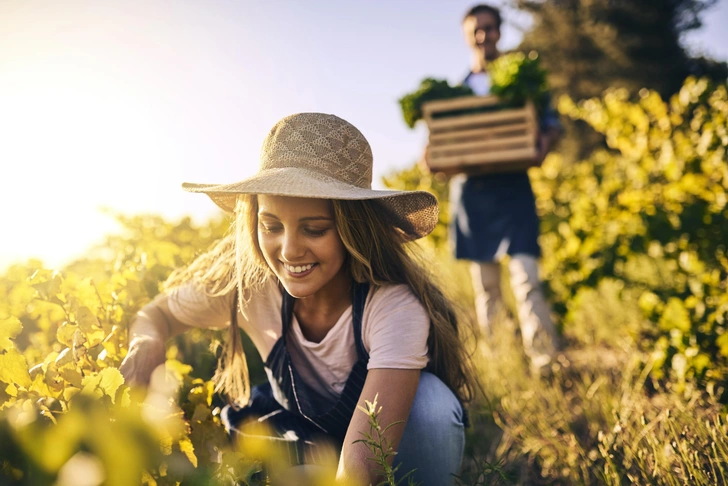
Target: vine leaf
{"type": "Point", "coordinates": [104, 383]}
{"type": "Point", "coordinates": [14, 368]}
{"type": "Point", "coordinates": [9, 328]}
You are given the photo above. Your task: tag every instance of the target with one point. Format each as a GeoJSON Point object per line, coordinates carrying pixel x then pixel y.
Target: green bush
{"type": "Point", "coordinates": [65, 411]}
{"type": "Point", "coordinates": [649, 212]}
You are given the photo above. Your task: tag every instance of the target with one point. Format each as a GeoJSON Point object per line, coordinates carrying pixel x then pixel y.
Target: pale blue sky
{"type": "Point", "coordinates": [116, 103]}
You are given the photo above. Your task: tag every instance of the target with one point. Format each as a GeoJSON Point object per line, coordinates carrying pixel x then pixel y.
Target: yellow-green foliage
{"type": "Point", "coordinates": [634, 261]}
{"type": "Point", "coordinates": [65, 412]}
{"type": "Point", "coordinates": [648, 211]}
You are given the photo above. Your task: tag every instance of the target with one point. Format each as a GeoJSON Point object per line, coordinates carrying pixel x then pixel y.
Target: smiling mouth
{"type": "Point", "coordinates": [298, 269]}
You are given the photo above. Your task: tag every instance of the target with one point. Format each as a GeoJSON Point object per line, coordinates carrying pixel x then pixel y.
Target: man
{"type": "Point", "coordinates": [494, 215]}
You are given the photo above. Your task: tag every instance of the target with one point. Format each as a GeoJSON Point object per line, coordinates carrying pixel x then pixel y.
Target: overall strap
{"type": "Point", "coordinates": [360, 297]}
{"type": "Point", "coordinates": [286, 313]}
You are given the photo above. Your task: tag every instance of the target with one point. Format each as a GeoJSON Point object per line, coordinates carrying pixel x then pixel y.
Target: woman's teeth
{"type": "Point", "coordinates": [298, 269]}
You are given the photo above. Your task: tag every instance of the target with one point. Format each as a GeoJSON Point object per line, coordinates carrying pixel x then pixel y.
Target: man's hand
{"type": "Point", "coordinates": [424, 165]}
{"type": "Point", "coordinates": [546, 141]}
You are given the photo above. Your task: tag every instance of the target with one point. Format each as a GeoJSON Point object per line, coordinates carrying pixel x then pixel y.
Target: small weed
{"type": "Point", "coordinates": [380, 446]}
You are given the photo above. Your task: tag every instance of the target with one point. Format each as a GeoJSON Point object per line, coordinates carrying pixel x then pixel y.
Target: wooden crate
{"type": "Point", "coordinates": [473, 134]}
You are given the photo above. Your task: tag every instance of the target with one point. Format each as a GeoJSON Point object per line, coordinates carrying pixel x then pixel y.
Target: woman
{"type": "Point", "coordinates": [320, 276]}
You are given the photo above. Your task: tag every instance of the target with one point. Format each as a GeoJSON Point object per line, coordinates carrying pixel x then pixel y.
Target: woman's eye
{"type": "Point", "coordinates": [269, 228]}
{"type": "Point", "coordinates": [315, 231]}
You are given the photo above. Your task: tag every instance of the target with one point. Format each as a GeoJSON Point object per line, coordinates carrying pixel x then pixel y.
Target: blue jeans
{"type": "Point", "coordinates": [434, 437]}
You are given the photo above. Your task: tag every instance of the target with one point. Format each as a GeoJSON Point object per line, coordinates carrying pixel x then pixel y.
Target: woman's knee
{"type": "Point", "coordinates": [435, 408]}
{"type": "Point", "coordinates": [434, 437]}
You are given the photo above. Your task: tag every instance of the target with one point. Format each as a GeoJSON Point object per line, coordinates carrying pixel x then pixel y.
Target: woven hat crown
{"type": "Point", "coordinates": [323, 144]}
{"type": "Point", "coordinates": [314, 155]}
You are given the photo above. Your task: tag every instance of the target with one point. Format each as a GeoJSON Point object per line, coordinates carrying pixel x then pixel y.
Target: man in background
{"type": "Point", "coordinates": [494, 215]}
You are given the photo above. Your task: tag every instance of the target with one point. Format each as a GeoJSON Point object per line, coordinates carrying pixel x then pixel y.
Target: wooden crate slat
{"type": "Point", "coordinates": [532, 116]}
{"type": "Point", "coordinates": [460, 103]}
{"type": "Point", "coordinates": [483, 158]}
{"type": "Point", "coordinates": [480, 133]}
{"type": "Point", "coordinates": [496, 118]}
{"type": "Point", "coordinates": [491, 141]}
{"type": "Point", "coordinates": [492, 168]}
{"type": "Point", "coordinates": [523, 141]}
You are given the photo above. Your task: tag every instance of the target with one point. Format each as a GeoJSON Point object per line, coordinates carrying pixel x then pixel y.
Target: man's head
{"type": "Point", "coordinates": [481, 26]}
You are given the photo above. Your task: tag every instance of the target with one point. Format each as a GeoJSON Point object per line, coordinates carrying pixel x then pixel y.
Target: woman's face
{"type": "Point", "coordinates": [300, 243]}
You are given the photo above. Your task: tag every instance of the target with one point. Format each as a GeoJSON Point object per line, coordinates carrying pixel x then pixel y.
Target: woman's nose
{"type": "Point", "coordinates": [291, 248]}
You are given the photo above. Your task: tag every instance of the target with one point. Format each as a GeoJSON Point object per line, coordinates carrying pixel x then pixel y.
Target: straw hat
{"type": "Point", "coordinates": [315, 155]}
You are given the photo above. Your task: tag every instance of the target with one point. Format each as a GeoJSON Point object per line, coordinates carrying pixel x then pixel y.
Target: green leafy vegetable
{"type": "Point", "coordinates": [430, 89]}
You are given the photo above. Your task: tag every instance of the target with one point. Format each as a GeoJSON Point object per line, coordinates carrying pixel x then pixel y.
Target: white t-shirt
{"type": "Point", "coordinates": [395, 327]}
{"type": "Point", "coordinates": [479, 83]}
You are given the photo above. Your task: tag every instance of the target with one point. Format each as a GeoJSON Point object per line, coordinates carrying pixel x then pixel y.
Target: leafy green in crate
{"type": "Point", "coordinates": [515, 79]}
{"type": "Point", "coordinates": [430, 90]}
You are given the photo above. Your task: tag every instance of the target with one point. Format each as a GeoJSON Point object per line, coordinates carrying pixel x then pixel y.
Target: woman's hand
{"type": "Point", "coordinates": [148, 334]}
{"type": "Point", "coordinates": [145, 354]}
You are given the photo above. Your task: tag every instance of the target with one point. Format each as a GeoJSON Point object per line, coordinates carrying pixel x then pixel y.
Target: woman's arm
{"type": "Point", "coordinates": [395, 390]}
{"type": "Point", "coordinates": [153, 326]}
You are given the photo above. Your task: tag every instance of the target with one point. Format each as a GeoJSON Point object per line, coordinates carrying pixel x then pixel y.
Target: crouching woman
{"type": "Point", "coordinates": [321, 274]}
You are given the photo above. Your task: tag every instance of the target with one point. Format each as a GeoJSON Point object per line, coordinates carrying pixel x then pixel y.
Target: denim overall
{"type": "Point", "coordinates": [295, 412]}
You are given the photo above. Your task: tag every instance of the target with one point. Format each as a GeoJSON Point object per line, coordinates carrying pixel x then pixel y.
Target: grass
{"type": "Point", "coordinates": [595, 417]}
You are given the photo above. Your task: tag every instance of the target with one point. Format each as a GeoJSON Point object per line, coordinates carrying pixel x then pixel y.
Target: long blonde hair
{"type": "Point", "coordinates": [377, 253]}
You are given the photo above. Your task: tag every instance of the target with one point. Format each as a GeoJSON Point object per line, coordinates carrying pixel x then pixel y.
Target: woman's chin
{"type": "Point", "coordinates": [297, 289]}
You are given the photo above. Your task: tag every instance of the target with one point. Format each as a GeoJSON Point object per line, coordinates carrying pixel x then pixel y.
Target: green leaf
{"type": "Point", "coordinates": [104, 383]}
{"type": "Point", "coordinates": [72, 376]}
{"type": "Point", "coordinates": [111, 380]}
{"type": "Point", "coordinates": [48, 284]}
{"type": "Point", "coordinates": [87, 320]}
{"type": "Point", "coordinates": [65, 334]}
{"type": "Point", "coordinates": [722, 343]}
{"type": "Point", "coordinates": [69, 392]}
{"type": "Point", "coordinates": [675, 316]}
{"type": "Point", "coordinates": [178, 369]}
{"type": "Point", "coordinates": [65, 358]}
{"type": "Point", "coordinates": [9, 328]}
{"type": "Point", "coordinates": [185, 445]}
{"type": "Point", "coordinates": [14, 368]}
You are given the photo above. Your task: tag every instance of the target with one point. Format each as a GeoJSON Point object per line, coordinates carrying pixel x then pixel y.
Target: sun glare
{"type": "Point", "coordinates": [72, 136]}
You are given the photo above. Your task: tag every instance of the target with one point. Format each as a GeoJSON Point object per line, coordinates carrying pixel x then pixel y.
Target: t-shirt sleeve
{"type": "Point", "coordinates": [395, 329]}
{"type": "Point", "coordinates": [193, 307]}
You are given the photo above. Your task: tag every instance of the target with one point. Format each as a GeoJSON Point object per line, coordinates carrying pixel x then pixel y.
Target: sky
{"type": "Point", "coordinates": [113, 104]}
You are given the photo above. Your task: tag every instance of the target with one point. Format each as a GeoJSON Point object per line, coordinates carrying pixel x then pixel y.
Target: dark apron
{"type": "Point", "coordinates": [298, 416]}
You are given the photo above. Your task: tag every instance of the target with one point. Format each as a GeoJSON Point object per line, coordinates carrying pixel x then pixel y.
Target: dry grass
{"type": "Point", "coordinates": [594, 418]}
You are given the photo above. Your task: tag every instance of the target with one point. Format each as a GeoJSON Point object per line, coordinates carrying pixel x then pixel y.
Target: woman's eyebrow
{"type": "Point", "coordinates": [305, 218]}
{"type": "Point", "coordinates": [316, 218]}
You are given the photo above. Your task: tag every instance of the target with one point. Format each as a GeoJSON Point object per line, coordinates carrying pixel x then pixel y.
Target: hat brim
{"type": "Point", "coordinates": [415, 213]}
